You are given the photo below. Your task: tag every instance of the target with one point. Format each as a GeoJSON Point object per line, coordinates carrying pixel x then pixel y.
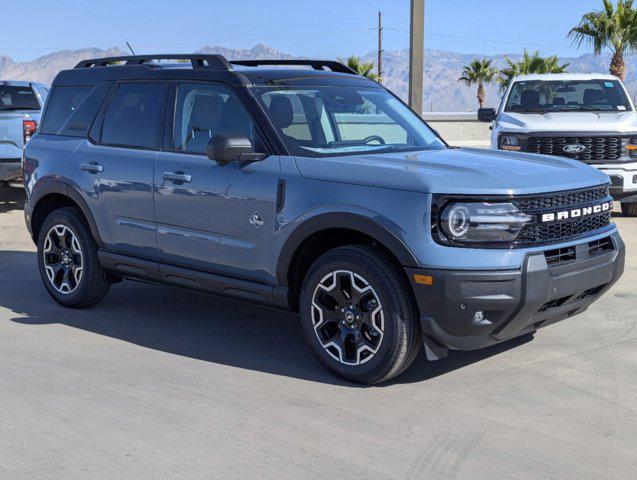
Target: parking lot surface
{"type": "Point", "coordinates": [161, 383]}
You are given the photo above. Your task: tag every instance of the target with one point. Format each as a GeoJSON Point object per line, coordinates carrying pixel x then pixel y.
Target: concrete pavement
{"type": "Point", "coordinates": [159, 383]}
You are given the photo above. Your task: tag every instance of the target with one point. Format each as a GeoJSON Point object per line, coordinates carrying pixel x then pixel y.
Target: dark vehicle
{"type": "Point", "coordinates": [301, 185]}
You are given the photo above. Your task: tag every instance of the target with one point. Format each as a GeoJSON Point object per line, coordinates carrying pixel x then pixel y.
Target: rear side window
{"type": "Point", "coordinates": [63, 102]}
{"type": "Point", "coordinates": [133, 117]}
{"type": "Point", "coordinates": [17, 98]}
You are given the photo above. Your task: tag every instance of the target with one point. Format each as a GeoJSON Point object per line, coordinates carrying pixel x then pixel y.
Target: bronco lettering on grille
{"type": "Point", "coordinates": [576, 212]}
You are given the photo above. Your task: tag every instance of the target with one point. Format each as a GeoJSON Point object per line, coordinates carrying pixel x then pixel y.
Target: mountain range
{"type": "Point", "coordinates": [442, 69]}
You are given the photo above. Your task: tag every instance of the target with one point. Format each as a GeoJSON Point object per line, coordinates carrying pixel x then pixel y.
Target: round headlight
{"type": "Point", "coordinates": [457, 220]}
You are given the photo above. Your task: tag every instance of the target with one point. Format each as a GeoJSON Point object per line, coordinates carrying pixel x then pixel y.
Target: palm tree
{"type": "Point", "coordinates": [362, 68]}
{"type": "Point", "coordinates": [614, 28]}
{"type": "Point", "coordinates": [478, 72]}
{"type": "Point", "coordinates": [529, 64]}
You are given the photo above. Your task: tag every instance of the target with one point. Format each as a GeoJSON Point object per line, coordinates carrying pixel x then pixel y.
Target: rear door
{"type": "Point", "coordinates": [213, 217]}
{"type": "Point", "coordinates": [115, 171]}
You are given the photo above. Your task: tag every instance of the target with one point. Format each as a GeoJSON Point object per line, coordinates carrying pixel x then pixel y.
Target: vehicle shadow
{"type": "Point", "coordinates": [195, 325]}
{"type": "Point", "coordinates": [11, 198]}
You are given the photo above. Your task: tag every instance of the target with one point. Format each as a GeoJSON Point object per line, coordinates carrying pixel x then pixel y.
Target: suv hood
{"type": "Point", "coordinates": [455, 171]}
{"type": "Point", "coordinates": [589, 122]}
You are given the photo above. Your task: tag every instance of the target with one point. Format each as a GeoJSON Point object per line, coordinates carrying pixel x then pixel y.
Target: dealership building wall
{"type": "Point", "coordinates": [461, 129]}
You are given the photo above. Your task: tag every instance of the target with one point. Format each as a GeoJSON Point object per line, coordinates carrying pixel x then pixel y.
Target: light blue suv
{"type": "Point", "coordinates": [20, 107]}
{"type": "Point", "coordinates": [304, 186]}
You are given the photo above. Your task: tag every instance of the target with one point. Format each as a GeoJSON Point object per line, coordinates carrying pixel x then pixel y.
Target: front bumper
{"type": "Point", "coordinates": [10, 169]}
{"type": "Point", "coordinates": [623, 180]}
{"type": "Point", "coordinates": [467, 310]}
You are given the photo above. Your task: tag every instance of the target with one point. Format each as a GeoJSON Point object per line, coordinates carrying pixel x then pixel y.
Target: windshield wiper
{"type": "Point", "coordinates": [530, 110]}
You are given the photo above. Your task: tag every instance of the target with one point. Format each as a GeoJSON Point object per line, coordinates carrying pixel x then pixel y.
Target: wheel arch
{"type": "Point", "coordinates": [56, 194]}
{"type": "Point", "coordinates": [330, 230]}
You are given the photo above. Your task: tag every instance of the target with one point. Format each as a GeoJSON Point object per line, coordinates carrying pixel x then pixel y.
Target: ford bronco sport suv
{"type": "Point", "coordinates": [304, 186]}
{"type": "Point", "coordinates": [586, 117]}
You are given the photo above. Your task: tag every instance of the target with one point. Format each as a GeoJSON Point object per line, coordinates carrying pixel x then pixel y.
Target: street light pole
{"type": "Point", "coordinates": [380, 47]}
{"type": "Point", "coordinates": [416, 55]}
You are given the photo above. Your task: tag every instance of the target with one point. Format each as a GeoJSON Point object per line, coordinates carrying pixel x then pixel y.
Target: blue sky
{"type": "Point", "coordinates": [318, 28]}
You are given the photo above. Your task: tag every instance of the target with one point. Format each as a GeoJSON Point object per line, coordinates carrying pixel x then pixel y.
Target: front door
{"type": "Point", "coordinates": [213, 217]}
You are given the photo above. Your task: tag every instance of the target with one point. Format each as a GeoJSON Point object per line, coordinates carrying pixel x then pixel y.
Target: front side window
{"type": "Point", "coordinates": [204, 110]}
{"type": "Point", "coordinates": [133, 117]}
{"type": "Point", "coordinates": [323, 121]}
{"type": "Point", "coordinates": [17, 98]}
{"type": "Point", "coordinates": [570, 95]}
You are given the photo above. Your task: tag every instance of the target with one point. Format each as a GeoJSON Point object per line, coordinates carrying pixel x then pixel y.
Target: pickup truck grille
{"type": "Point", "coordinates": [596, 149]}
{"type": "Point", "coordinates": [564, 230]}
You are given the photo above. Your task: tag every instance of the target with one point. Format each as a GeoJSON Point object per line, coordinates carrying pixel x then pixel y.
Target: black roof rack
{"type": "Point", "coordinates": [315, 64]}
{"type": "Point", "coordinates": [214, 62]}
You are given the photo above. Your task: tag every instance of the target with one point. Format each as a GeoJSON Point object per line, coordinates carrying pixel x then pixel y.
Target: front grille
{"type": "Point", "coordinates": [617, 181]}
{"type": "Point", "coordinates": [596, 149]}
{"type": "Point", "coordinates": [537, 234]}
{"type": "Point", "coordinates": [563, 231]}
{"type": "Point", "coordinates": [562, 199]}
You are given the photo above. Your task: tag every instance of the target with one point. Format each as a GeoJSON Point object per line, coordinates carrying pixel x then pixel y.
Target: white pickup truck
{"type": "Point", "coordinates": [20, 109]}
{"type": "Point", "coordinates": [586, 117]}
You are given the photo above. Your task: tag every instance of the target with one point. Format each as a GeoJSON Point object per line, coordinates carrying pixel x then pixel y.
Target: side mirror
{"type": "Point", "coordinates": [486, 114]}
{"type": "Point", "coordinates": [224, 148]}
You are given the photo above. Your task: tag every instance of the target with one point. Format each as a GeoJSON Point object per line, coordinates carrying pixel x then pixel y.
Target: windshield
{"type": "Point", "coordinates": [572, 95]}
{"type": "Point", "coordinates": [323, 121]}
{"type": "Point", "coordinates": [17, 98]}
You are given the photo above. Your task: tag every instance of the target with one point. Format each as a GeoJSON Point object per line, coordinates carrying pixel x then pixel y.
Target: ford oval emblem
{"type": "Point", "coordinates": [574, 148]}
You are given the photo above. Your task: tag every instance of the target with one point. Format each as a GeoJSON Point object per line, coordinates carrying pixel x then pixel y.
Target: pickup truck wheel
{"type": "Point", "coordinates": [68, 262]}
{"type": "Point", "coordinates": [358, 315]}
{"type": "Point", "coordinates": [629, 209]}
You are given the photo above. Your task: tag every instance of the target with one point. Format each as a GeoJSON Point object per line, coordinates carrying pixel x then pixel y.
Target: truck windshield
{"type": "Point", "coordinates": [324, 121]}
{"type": "Point", "coordinates": [17, 98]}
{"type": "Point", "coordinates": [571, 95]}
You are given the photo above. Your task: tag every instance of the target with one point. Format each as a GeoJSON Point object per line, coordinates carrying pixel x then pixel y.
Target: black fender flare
{"type": "Point", "coordinates": [349, 221]}
{"type": "Point", "coordinates": [61, 187]}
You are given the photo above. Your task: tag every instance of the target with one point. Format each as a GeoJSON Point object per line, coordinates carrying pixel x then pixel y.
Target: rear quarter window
{"type": "Point", "coordinates": [63, 102]}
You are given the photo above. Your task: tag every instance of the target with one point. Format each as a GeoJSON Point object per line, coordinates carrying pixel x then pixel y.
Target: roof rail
{"type": "Point", "coordinates": [315, 64]}
{"type": "Point", "coordinates": [202, 61]}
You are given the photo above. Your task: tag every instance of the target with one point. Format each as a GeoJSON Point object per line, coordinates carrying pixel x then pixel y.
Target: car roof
{"type": "Point", "coordinates": [564, 77]}
{"type": "Point", "coordinates": [17, 83]}
{"type": "Point", "coordinates": [213, 68]}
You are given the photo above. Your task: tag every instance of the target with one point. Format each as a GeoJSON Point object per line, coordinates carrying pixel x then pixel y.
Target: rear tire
{"type": "Point", "coordinates": [68, 261]}
{"type": "Point", "coordinates": [629, 209]}
{"type": "Point", "coordinates": [359, 316]}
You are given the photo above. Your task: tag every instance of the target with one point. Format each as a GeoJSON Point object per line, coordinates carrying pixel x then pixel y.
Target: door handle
{"type": "Point", "coordinates": [92, 167]}
{"type": "Point", "coordinates": [177, 177]}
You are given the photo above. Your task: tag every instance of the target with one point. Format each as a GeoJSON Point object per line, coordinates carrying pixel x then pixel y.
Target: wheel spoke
{"type": "Point", "coordinates": [352, 327]}
{"type": "Point", "coordinates": [63, 261]}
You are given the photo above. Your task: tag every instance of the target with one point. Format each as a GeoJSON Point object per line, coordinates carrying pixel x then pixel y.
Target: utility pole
{"type": "Point", "coordinates": [416, 54]}
{"type": "Point", "coordinates": [380, 47]}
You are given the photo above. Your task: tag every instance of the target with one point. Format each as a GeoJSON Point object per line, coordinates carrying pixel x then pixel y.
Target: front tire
{"type": "Point", "coordinates": [359, 316]}
{"type": "Point", "coordinates": [629, 209]}
{"type": "Point", "coordinates": [68, 261]}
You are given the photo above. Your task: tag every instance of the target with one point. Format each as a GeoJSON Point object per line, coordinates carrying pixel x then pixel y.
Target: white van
{"type": "Point", "coordinates": [586, 117]}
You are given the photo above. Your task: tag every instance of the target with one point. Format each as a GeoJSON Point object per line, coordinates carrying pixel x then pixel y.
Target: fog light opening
{"type": "Point", "coordinates": [479, 318]}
